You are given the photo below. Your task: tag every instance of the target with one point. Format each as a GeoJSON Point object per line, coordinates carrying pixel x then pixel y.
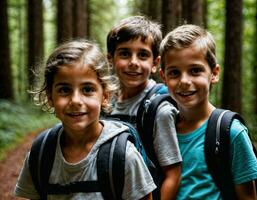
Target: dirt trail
{"type": "Point", "coordinates": [10, 167]}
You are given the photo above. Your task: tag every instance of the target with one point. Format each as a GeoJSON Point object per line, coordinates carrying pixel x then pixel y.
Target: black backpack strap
{"type": "Point", "coordinates": [111, 166]}
{"type": "Point", "coordinates": [73, 187]}
{"type": "Point", "coordinates": [217, 150]}
{"type": "Point", "coordinates": [148, 124]}
{"type": "Point", "coordinates": [146, 117]}
{"type": "Point", "coordinates": [43, 149]}
{"type": "Point", "coordinates": [144, 104]}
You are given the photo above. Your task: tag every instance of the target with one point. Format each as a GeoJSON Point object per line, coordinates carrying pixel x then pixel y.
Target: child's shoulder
{"type": "Point", "coordinates": [237, 126]}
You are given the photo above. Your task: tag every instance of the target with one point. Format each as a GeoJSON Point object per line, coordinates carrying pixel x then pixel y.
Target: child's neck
{"type": "Point", "coordinates": [76, 147]}
{"type": "Point", "coordinates": [191, 119]}
{"type": "Point", "coordinates": [129, 92]}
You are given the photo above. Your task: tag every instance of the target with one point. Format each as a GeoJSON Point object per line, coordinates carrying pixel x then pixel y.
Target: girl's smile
{"type": "Point", "coordinates": [77, 96]}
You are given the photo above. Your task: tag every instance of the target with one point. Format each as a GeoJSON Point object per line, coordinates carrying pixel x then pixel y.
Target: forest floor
{"type": "Point", "coordinates": [11, 166]}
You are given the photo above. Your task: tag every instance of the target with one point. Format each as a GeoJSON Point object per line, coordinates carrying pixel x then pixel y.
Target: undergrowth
{"type": "Point", "coordinates": [17, 120]}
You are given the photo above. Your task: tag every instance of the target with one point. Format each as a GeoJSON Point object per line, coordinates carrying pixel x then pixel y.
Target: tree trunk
{"type": "Point", "coordinates": [205, 14]}
{"type": "Point", "coordinates": [35, 38]}
{"type": "Point", "coordinates": [192, 11]}
{"type": "Point", "coordinates": [80, 16]}
{"type": "Point", "coordinates": [255, 63]}
{"type": "Point", "coordinates": [231, 94]}
{"type": "Point", "coordinates": [171, 14]}
{"type": "Point", "coordinates": [154, 10]}
{"type": "Point", "coordinates": [64, 20]}
{"type": "Point", "coordinates": [6, 85]}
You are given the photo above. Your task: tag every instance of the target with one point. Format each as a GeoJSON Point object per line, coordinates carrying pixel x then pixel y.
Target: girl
{"type": "Point", "coordinates": [77, 87]}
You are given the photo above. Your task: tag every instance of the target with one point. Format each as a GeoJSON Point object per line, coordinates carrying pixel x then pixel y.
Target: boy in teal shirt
{"type": "Point", "coordinates": [189, 69]}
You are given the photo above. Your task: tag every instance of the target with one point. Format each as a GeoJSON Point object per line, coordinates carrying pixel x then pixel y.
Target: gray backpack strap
{"type": "Point", "coordinates": [111, 166]}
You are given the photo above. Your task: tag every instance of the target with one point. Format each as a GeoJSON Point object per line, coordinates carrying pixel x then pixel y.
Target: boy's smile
{"type": "Point", "coordinates": [133, 62]}
{"type": "Point", "coordinates": [188, 76]}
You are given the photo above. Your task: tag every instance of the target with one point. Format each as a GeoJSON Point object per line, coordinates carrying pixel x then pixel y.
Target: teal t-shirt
{"type": "Point", "coordinates": [197, 182]}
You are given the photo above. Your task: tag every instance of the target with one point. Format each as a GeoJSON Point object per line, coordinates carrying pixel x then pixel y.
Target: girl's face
{"type": "Point", "coordinates": [77, 96]}
{"type": "Point", "coordinates": [189, 77]}
{"type": "Point", "coordinates": [133, 62]}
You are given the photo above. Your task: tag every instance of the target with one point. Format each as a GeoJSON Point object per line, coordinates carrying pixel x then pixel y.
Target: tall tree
{"type": "Point", "coordinates": [205, 13]}
{"type": "Point", "coordinates": [6, 86]}
{"type": "Point", "coordinates": [255, 62]}
{"type": "Point", "coordinates": [88, 18]}
{"type": "Point", "coordinates": [171, 14]}
{"type": "Point", "coordinates": [153, 9]}
{"type": "Point", "coordinates": [35, 38]}
{"type": "Point", "coordinates": [231, 91]}
{"type": "Point", "coordinates": [80, 18]}
{"type": "Point", "coordinates": [64, 20]}
{"type": "Point", "coordinates": [192, 11]}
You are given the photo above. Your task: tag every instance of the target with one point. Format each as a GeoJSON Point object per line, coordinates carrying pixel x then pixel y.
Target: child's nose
{"type": "Point", "coordinates": [133, 60]}
{"type": "Point", "coordinates": [76, 97]}
{"type": "Point", "coordinates": [185, 78]}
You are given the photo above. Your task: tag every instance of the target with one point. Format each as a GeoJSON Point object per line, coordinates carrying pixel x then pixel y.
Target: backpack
{"type": "Point", "coordinates": [217, 150]}
{"type": "Point", "coordinates": [144, 123]}
{"type": "Point", "coordinates": [144, 120]}
{"type": "Point", "coordinates": [109, 161]}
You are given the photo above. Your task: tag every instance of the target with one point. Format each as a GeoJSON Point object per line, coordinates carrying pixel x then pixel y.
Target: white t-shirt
{"type": "Point", "coordinates": [138, 181]}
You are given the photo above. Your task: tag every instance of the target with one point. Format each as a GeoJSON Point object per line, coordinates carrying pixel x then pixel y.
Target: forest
{"type": "Point", "coordinates": [31, 29]}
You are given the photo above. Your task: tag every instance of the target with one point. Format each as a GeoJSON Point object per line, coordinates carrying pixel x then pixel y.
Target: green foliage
{"type": "Point", "coordinates": [17, 120]}
{"type": "Point", "coordinates": [17, 30]}
{"type": "Point", "coordinates": [216, 26]}
{"type": "Point", "coordinates": [248, 57]}
{"type": "Point", "coordinates": [50, 29]}
{"type": "Point", "coordinates": [103, 16]}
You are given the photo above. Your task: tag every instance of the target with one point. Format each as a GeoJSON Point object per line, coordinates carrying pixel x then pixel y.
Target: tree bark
{"type": "Point", "coordinates": [64, 21]}
{"type": "Point", "coordinates": [171, 14]}
{"type": "Point", "coordinates": [231, 92]}
{"type": "Point", "coordinates": [6, 85]}
{"type": "Point", "coordinates": [192, 12]}
{"type": "Point", "coordinates": [80, 16]}
{"type": "Point", "coordinates": [35, 38]}
{"type": "Point", "coordinates": [255, 63]}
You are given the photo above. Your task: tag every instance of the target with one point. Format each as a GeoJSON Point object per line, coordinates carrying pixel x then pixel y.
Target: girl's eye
{"type": "Point", "coordinates": [88, 89]}
{"type": "Point", "coordinates": [63, 91]}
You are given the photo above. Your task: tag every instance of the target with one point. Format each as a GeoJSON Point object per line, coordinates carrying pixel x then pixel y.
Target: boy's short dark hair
{"type": "Point", "coordinates": [187, 35]}
{"type": "Point", "coordinates": [133, 28]}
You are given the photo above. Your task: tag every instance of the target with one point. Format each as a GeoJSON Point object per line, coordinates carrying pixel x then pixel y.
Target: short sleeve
{"type": "Point", "coordinates": [24, 186]}
{"type": "Point", "coordinates": [244, 163]}
{"type": "Point", "coordinates": [165, 135]}
{"type": "Point", "coordinates": [138, 180]}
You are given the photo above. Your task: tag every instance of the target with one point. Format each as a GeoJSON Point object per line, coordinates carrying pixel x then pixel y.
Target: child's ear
{"type": "Point", "coordinates": [215, 74]}
{"type": "Point", "coordinates": [156, 63]}
{"type": "Point", "coordinates": [105, 98]}
{"type": "Point", "coordinates": [162, 75]}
